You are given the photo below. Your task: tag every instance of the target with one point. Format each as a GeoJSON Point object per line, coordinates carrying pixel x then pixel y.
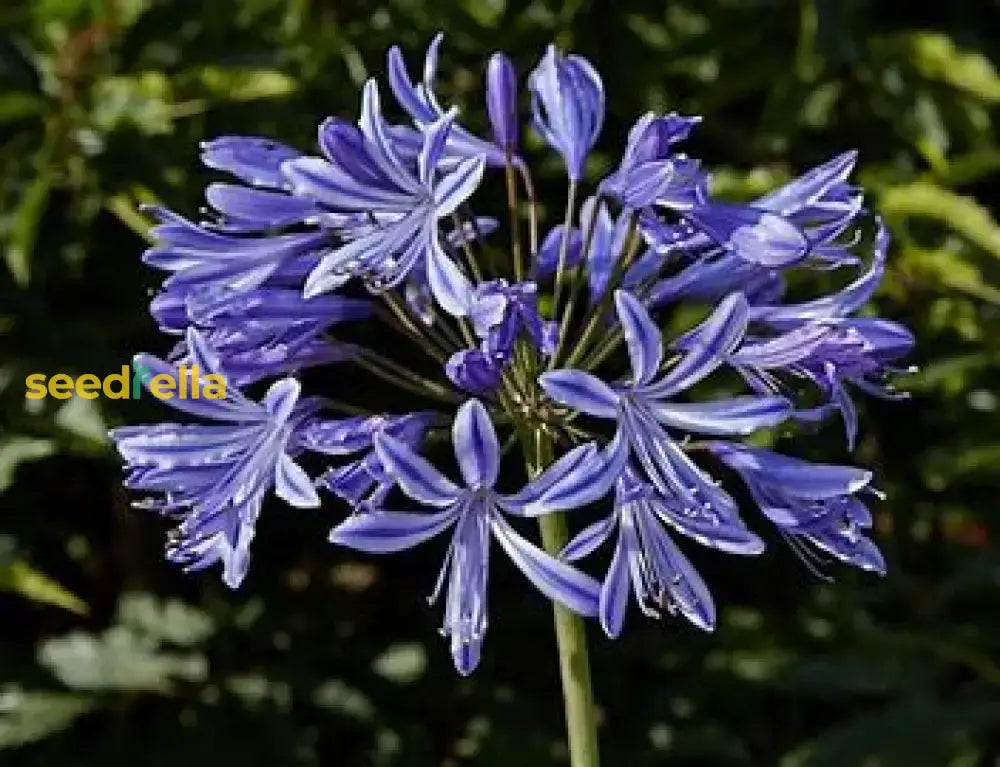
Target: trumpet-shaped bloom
{"type": "Point", "coordinates": [364, 173]}
{"type": "Point", "coordinates": [421, 104]}
{"type": "Point", "coordinates": [362, 482]}
{"type": "Point", "coordinates": [646, 557]}
{"type": "Point", "coordinates": [269, 331]}
{"type": "Point", "coordinates": [475, 512]}
{"type": "Point", "coordinates": [646, 414]}
{"type": "Point", "coordinates": [820, 341]}
{"type": "Point", "coordinates": [650, 173]}
{"type": "Point", "coordinates": [214, 477]}
{"type": "Point", "coordinates": [567, 105]}
{"type": "Point", "coordinates": [809, 503]}
{"type": "Point", "coordinates": [820, 203]}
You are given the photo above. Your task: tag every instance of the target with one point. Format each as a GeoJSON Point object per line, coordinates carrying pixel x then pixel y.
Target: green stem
{"type": "Point", "coordinates": [397, 375]}
{"type": "Point", "coordinates": [564, 247]}
{"type": "Point", "coordinates": [571, 635]}
{"type": "Point", "coordinates": [632, 243]}
{"type": "Point", "coordinates": [529, 193]}
{"type": "Point", "coordinates": [575, 287]}
{"type": "Point", "coordinates": [515, 234]}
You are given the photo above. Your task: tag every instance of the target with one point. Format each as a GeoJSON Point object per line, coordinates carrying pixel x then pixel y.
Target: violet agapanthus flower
{"type": "Point", "coordinates": [303, 252]}
{"type": "Point", "coordinates": [476, 512]}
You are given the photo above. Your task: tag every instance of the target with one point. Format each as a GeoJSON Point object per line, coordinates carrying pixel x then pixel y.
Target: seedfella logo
{"type": "Point", "coordinates": [128, 384]}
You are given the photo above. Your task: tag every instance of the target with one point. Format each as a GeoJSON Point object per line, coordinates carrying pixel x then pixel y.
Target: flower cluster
{"type": "Point", "coordinates": [550, 344]}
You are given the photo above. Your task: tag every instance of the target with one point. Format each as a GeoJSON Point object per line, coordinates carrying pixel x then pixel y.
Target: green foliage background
{"type": "Point", "coordinates": [109, 656]}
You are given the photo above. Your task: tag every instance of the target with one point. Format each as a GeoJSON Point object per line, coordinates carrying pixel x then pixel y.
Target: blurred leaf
{"type": "Point", "coordinates": [143, 101]}
{"type": "Point", "coordinates": [946, 268]}
{"type": "Point", "coordinates": [26, 218]}
{"type": "Point", "coordinates": [16, 449]}
{"type": "Point", "coordinates": [118, 659]}
{"type": "Point", "coordinates": [17, 106]}
{"type": "Point", "coordinates": [936, 57]}
{"type": "Point", "coordinates": [169, 621]}
{"type": "Point", "coordinates": [222, 84]}
{"type": "Point", "coordinates": [913, 732]}
{"type": "Point", "coordinates": [338, 696]}
{"type": "Point", "coordinates": [27, 716]}
{"type": "Point", "coordinates": [402, 663]}
{"type": "Point", "coordinates": [21, 578]}
{"type": "Point", "coordinates": [962, 214]}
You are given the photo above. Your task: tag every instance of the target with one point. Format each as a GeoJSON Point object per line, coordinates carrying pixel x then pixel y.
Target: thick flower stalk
{"type": "Point", "coordinates": [557, 346]}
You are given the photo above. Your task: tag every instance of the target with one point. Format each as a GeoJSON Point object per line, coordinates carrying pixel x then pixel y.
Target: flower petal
{"type": "Point", "coordinates": [645, 347]}
{"type": "Point", "coordinates": [281, 397]}
{"type": "Point", "coordinates": [579, 460]}
{"type": "Point", "coordinates": [451, 289]}
{"type": "Point", "coordinates": [293, 485]}
{"type": "Point", "coordinates": [615, 593]}
{"type": "Point", "coordinates": [557, 580]}
{"type": "Point", "coordinates": [476, 445]}
{"type": "Point", "coordinates": [415, 475]}
{"type": "Point", "coordinates": [456, 187]}
{"type": "Point", "coordinates": [707, 348]}
{"type": "Point", "coordinates": [385, 532]}
{"type": "Point", "coordinates": [588, 540]}
{"type": "Point", "coordinates": [586, 482]}
{"type": "Point", "coordinates": [580, 391]}
{"type": "Point", "coordinates": [739, 415]}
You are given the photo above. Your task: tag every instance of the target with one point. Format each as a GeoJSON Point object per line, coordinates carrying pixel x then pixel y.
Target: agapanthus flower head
{"type": "Point", "coordinates": [559, 340]}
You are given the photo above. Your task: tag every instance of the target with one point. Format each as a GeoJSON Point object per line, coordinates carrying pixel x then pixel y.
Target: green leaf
{"type": "Point", "coordinates": [17, 106]}
{"type": "Point", "coordinates": [945, 267]}
{"type": "Point", "coordinates": [962, 214]}
{"type": "Point", "coordinates": [936, 57]}
{"type": "Point", "coordinates": [21, 578]}
{"type": "Point", "coordinates": [118, 659]}
{"type": "Point", "coordinates": [143, 101]}
{"type": "Point", "coordinates": [27, 218]}
{"type": "Point", "coordinates": [16, 449]}
{"type": "Point", "coordinates": [28, 716]}
{"type": "Point", "coordinates": [222, 84]}
{"type": "Point", "coordinates": [172, 621]}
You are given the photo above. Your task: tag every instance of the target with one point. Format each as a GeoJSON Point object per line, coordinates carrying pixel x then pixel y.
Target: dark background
{"type": "Point", "coordinates": [108, 655]}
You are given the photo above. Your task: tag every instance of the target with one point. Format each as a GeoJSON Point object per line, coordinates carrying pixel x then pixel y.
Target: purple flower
{"type": "Point", "coordinates": [501, 101]}
{"type": "Point", "coordinates": [645, 555]}
{"type": "Point", "coordinates": [213, 477]}
{"type": "Point", "coordinates": [650, 173]}
{"type": "Point", "coordinates": [474, 371]}
{"type": "Point", "coordinates": [818, 340]}
{"type": "Point", "coordinates": [476, 513]}
{"type": "Point", "coordinates": [362, 482]}
{"type": "Point", "coordinates": [364, 173]}
{"type": "Point", "coordinates": [644, 411]}
{"type": "Point", "coordinates": [567, 105]}
{"type": "Point", "coordinates": [820, 203]}
{"type": "Point", "coordinates": [548, 251]}
{"type": "Point", "coordinates": [809, 503]}
{"type": "Point", "coordinates": [198, 257]}
{"type": "Point", "coordinates": [501, 313]}
{"type": "Point", "coordinates": [420, 103]}
{"type": "Point", "coordinates": [269, 331]}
